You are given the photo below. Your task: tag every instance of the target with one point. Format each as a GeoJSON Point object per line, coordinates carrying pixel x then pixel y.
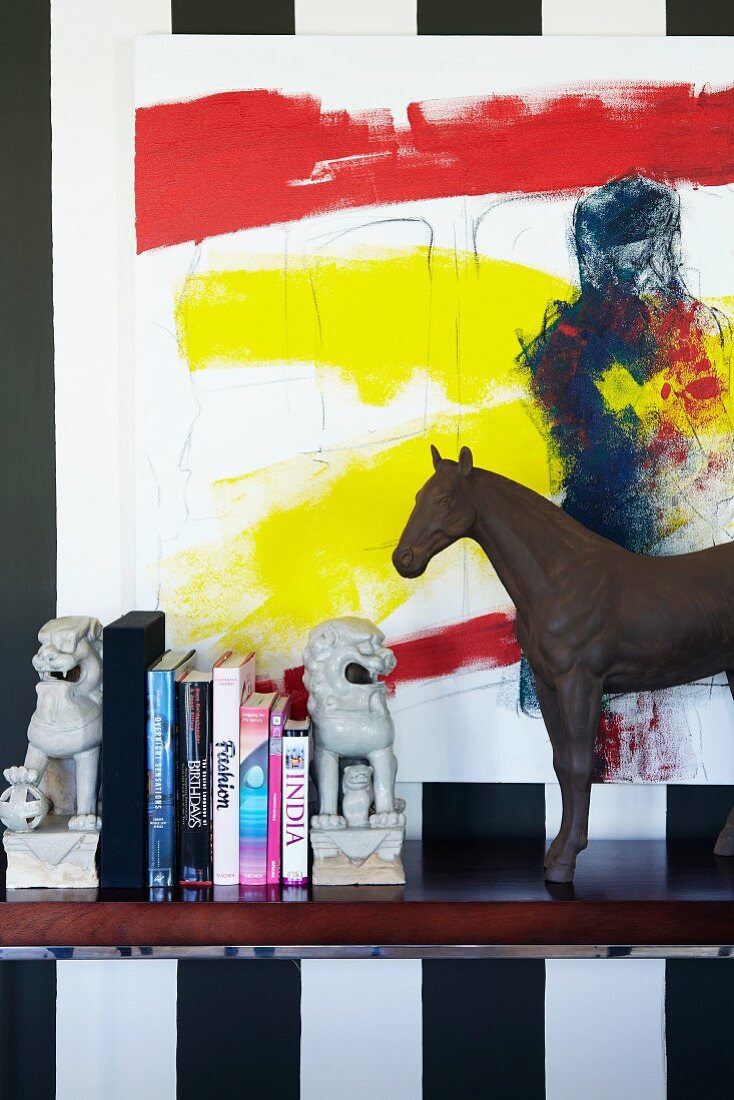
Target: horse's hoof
{"type": "Point", "coordinates": [560, 872]}
{"type": "Point", "coordinates": [552, 854]}
{"type": "Point", "coordinates": [725, 844]}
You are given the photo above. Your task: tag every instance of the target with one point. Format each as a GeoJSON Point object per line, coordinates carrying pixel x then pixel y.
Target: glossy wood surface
{"type": "Point", "coordinates": [484, 893]}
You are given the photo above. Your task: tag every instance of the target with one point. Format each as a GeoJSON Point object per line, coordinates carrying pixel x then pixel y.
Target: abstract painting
{"type": "Point", "coordinates": [351, 248]}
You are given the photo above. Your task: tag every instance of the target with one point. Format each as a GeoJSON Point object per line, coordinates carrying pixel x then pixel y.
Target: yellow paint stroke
{"type": "Point", "coordinates": [311, 537]}
{"type": "Point", "coordinates": [322, 546]}
{"type": "Point", "coordinates": [724, 305]}
{"type": "Point", "coordinates": [374, 317]}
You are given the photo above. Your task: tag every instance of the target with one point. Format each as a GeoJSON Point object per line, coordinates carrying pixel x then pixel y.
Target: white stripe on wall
{"type": "Point", "coordinates": [605, 1029]}
{"type": "Point", "coordinates": [115, 1030]}
{"type": "Point", "coordinates": [92, 122]}
{"type": "Point", "coordinates": [619, 811]}
{"type": "Point", "coordinates": [412, 793]}
{"type": "Point", "coordinates": [361, 1029]}
{"type": "Point", "coordinates": [602, 17]}
{"type": "Point", "coordinates": [356, 16]}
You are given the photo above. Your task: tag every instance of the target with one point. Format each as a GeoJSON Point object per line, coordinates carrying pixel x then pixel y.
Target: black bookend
{"type": "Point", "coordinates": [131, 644]}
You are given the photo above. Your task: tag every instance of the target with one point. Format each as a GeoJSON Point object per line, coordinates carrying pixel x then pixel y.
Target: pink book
{"type": "Point", "coordinates": [279, 715]}
{"type": "Point", "coordinates": [234, 680]}
{"type": "Point", "coordinates": [254, 747]}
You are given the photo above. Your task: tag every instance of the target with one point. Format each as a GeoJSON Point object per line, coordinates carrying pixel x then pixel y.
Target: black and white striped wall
{"type": "Point", "coordinates": [567, 1030]}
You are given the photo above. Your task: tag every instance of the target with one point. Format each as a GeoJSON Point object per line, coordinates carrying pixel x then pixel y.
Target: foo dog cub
{"type": "Point", "coordinates": [67, 721]}
{"type": "Point", "coordinates": [357, 795]}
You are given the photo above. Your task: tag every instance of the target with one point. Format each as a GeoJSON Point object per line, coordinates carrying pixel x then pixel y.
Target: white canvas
{"type": "Point", "coordinates": [199, 432]}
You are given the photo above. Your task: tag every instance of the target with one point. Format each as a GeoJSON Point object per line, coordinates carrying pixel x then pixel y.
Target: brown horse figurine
{"type": "Point", "coordinates": [591, 616]}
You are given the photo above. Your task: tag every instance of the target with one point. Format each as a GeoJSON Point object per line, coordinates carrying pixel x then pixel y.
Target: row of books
{"type": "Point", "coordinates": [227, 777]}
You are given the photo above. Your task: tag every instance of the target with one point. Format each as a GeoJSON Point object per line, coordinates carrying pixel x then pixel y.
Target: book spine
{"type": "Point", "coordinates": [131, 644]}
{"type": "Point", "coordinates": [295, 810]}
{"type": "Point", "coordinates": [275, 789]}
{"type": "Point", "coordinates": [226, 810]}
{"type": "Point", "coordinates": [248, 677]}
{"type": "Point", "coordinates": [161, 778]}
{"type": "Point", "coordinates": [254, 732]}
{"type": "Point", "coordinates": [195, 832]}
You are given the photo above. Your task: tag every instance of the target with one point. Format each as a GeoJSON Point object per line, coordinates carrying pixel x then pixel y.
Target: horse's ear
{"type": "Point", "coordinates": [435, 456]}
{"type": "Point", "coordinates": [466, 461]}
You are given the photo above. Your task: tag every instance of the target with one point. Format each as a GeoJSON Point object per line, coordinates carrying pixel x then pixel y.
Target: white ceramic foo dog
{"type": "Point", "coordinates": [359, 841]}
{"type": "Point", "coordinates": [58, 849]}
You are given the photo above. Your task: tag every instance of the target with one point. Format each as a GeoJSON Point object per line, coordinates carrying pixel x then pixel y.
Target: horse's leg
{"type": "Point", "coordinates": [725, 843]}
{"type": "Point", "coordinates": [579, 702]}
{"type": "Point", "coordinates": [552, 718]}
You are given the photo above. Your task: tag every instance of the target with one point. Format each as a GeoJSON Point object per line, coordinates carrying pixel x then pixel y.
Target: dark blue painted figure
{"type": "Point", "coordinates": [633, 312]}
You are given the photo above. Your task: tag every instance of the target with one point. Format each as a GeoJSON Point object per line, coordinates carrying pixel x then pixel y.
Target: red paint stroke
{"type": "Point", "coordinates": [243, 159]}
{"type": "Point", "coordinates": [608, 749]}
{"type": "Point", "coordinates": [487, 641]}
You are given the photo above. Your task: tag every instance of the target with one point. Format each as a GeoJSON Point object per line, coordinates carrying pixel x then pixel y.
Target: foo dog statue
{"type": "Point", "coordinates": [343, 662]}
{"type": "Point", "coordinates": [66, 725]}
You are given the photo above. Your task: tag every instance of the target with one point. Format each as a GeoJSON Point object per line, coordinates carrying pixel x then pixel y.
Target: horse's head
{"type": "Point", "coordinates": [443, 513]}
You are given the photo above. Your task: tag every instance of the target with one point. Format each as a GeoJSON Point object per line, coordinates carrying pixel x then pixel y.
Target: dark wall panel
{"type": "Point", "coordinates": [696, 17]}
{"type": "Point", "coordinates": [233, 16]}
{"type": "Point", "coordinates": [484, 1028]}
{"type": "Point", "coordinates": [28, 481]}
{"type": "Point", "coordinates": [697, 812]}
{"type": "Point", "coordinates": [27, 1030]}
{"type": "Point", "coordinates": [699, 1008]}
{"type": "Point", "coordinates": [481, 811]}
{"type": "Point", "coordinates": [239, 1028]}
{"type": "Point", "coordinates": [480, 17]}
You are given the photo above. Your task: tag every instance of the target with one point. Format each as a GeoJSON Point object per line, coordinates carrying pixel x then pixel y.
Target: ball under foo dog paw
{"type": "Point", "coordinates": [23, 807]}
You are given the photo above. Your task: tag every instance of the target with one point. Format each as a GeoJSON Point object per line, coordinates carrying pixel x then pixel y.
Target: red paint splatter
{"type": "Point", "coordinates": [487, 641]}
{"type": "Point", "coordinates": [243, 159]}
{"type": "Point", "coordinates": [608, 756]}
{"type": "Point", "coordinates": [646, 739]}
{"type": "Point", "coordinates": [681, 333]}
{"type": "Point", "coordinates": [703, 389]}
{"type": "Point", "coordinates": [668, 445]}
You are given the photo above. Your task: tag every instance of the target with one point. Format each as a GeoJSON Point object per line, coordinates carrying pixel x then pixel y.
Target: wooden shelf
{"type": "Point", "coordinates": [643, 898]}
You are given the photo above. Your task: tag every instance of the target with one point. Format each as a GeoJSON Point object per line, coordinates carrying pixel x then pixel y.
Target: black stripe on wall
{"type": "Point", "coordinates": [28, 1030]}
{"type": "Point", "coordinates": [239, 1028]}
{"type": "Point", "coordinates": [481, 811]}
{"type": "Point", "coordinates": [696, 17]}
{"type": "Point", "coordinates": [697, 812]}
{"type": "Point", "coordinates": [233, 16]}
{"type": "Point", "coordinates": [484, 1028]}
{"type": "Point", "coordinates": [28, 481]}
{"type": "Point", "coordinates": [248, 1010]}
{"type": "Point", "coordinates": [480, 17]}
{"type": "Point", "coordinates": [699, 1009]}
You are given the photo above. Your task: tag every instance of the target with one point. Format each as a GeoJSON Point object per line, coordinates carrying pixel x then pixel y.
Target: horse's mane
{"type": "Point", "coordinates": [543, 511]}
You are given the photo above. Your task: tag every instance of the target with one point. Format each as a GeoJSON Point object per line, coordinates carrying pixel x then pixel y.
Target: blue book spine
{"type": "Point", "coordinates": [161, 778]}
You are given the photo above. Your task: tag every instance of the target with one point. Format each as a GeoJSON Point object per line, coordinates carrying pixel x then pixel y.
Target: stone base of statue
{"type": "Point", "coordinates": [355, 856]}
{"type": "Point", "coordinates": [51, 855]}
